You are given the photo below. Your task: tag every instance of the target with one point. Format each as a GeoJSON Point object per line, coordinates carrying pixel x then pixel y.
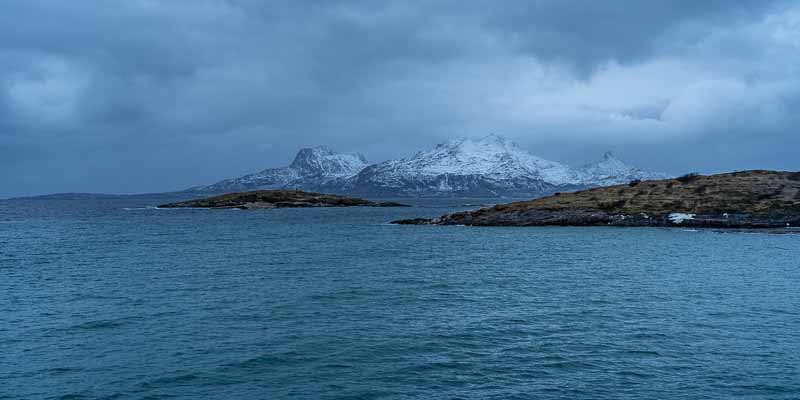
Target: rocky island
{"type": "Point", "coordinates": [261, 199]}
{"type": "Point", "coordinates": [745, 200]}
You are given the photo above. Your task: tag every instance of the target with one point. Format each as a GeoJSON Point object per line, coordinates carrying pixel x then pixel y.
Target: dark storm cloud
{"type": "Point", "coordinates": [584, 34]}
{"type": "Point", "coordinates": [157, 95]}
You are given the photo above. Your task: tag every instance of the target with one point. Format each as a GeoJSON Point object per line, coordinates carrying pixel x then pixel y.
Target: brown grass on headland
{"type": "Point", "coordinates": [752, 192]}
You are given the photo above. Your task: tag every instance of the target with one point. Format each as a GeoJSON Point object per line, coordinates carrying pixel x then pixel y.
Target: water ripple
{"type": "Point", "coordinates": [100, 302]}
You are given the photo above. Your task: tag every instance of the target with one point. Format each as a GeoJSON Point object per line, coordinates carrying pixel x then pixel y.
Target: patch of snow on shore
{"type": "Point", "coordinates": [678, 218]}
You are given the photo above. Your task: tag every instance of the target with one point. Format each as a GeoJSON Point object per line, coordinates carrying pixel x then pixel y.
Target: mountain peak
{"type": "Point", "coordinates": [491, 157]}
{"type": "Point", "coordinates": [312, 152]}
{"type": "Point", "coordinates": [609, 163]}
{"type": "Point", "coordinates": [611, 170]}
{"type": "Point", "coordinates": [323, 160]}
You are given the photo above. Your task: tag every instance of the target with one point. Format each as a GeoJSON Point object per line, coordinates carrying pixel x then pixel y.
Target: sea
{"type": "Point", "coordinates": [115, 299]}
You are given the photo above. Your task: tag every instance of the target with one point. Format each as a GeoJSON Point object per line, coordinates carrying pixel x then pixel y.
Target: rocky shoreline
{"type": "Point", "coordinates": [266, 199]}
{"type": "Point", "coordinates": [740, 200]}
{"type": "Point", "coordinates": [601, 218]}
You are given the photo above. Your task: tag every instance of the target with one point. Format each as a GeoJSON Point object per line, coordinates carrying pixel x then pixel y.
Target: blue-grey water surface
{"type": "Point", "coordinates": [102, 302]}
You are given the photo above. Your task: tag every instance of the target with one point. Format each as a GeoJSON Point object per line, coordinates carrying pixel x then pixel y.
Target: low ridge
{"type": "Point", "coordinates": [261, 199]}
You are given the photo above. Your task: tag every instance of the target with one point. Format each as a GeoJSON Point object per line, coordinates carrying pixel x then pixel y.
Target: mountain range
{"type": "Point", "coordinates": [491, 166]}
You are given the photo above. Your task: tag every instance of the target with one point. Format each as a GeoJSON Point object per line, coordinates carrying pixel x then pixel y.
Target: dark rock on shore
{"type": "Point", "coordinates": [745, 200]}
{"type": "Point", "coordinates": [261, 199]}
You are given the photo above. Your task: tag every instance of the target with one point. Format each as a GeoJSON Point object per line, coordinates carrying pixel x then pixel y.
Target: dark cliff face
{"type": "Point", "coordinates": [749, 199]}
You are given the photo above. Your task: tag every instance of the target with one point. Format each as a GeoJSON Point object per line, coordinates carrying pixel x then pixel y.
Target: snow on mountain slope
{"type": "Point", "coordinates": [493, 156]}
{"type": "Point", "coordinates": [311, 166]}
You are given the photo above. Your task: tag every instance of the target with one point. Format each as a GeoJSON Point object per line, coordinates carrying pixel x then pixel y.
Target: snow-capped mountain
{"type": "Point", "coordinates": [486, 167]}
{"type": "Point", "coordinates": [490, 166]}
{"type": "Point", "coordinates": [311, 167]}
{"type": "Point", "coordinates": [493, 156]}
{"type": "Point", "coordinates": [611, 171]}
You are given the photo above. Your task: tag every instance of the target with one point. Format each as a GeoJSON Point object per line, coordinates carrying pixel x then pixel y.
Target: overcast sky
{"type": "Point", "coordinates": [147, 95]}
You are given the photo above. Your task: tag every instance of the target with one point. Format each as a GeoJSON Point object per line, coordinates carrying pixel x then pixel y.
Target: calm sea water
{"type": "Point", "coordinates": [99, 301]}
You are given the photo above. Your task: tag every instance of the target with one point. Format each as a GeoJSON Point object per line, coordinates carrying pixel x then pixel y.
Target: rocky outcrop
{"type": "Point", "coordinates": [262, 199]}
{"type": "Point", "coordinates": [748, 199]}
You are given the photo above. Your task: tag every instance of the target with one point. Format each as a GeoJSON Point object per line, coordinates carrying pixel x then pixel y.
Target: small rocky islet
{"type": "Point", "coordinates": [265, 199]}
{"type": "Point", "coordinates": [757, 199]}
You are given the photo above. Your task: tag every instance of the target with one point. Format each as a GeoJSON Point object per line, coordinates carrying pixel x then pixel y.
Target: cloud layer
{"type": "Point", "coordinates": [149, 95]}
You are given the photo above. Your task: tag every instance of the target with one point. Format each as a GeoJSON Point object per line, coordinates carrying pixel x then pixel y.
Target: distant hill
{"type": "Point", "coordinates": [102, 196]}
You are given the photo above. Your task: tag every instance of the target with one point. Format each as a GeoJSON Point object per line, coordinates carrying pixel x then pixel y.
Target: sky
{"type": "Point", "coordinates": [148, 96]}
